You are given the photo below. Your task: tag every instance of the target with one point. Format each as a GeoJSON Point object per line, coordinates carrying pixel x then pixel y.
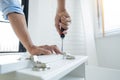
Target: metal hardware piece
{"type": "Point", "coordinates": [67, 56]}
{"type": "Point", "coordinates": [37, 65]}
{"type": "Point", "coordinates": [40, 66]}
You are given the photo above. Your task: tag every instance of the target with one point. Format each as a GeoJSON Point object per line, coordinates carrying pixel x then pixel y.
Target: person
{"type": "Point", "coordinates": [13, 12]}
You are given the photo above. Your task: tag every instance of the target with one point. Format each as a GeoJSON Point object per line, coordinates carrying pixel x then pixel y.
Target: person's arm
{"type": "Point", "coordinates": [13, 12]}
{"type": "Point", "coordinates": [61, 5]}
{"type": "Point", "coordinates": [62, 17]}
{"type": "Point", "coordinates": [19, 26]}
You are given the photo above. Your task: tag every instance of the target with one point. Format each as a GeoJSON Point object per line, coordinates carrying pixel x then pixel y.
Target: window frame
{"type": "Point", "coordinates": [100, 30]}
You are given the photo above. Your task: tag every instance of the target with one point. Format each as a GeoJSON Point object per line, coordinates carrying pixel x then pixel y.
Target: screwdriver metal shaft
{"type": "Point", "coordinates": [62, 38]}
{"type": "Point", "coordinates": [62, 45]}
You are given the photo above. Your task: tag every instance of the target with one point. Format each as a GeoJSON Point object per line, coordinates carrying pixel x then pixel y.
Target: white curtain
{"type": "Point", "coordinates": [87, 11]}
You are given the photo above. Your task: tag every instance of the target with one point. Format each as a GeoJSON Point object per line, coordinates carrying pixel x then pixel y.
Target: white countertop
{"type": "Point", "coordinates": [58, 69]}
{"type": "Point", "coordinates": [11, 62]}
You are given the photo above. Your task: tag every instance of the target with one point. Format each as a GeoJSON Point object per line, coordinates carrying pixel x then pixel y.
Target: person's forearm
{"type": "Point", "coordinates": [19, 26]}
{"type": "Point", "coordinates": [61, 5]}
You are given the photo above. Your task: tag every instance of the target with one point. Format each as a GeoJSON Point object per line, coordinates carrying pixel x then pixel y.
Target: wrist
{"type": "Point", "coordinates": [31, 48]}
{"type": "Point", "coordinates": [61, 10]}
{"type": "Point", "coordinates": [61, 5]}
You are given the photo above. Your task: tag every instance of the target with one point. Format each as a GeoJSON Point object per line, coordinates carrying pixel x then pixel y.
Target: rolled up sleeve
{"type": "Point", "coordinates": [10, 6]}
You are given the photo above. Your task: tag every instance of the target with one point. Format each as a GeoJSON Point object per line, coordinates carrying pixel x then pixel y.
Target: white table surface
{"type": "Point", "coordinates": [58, 69]}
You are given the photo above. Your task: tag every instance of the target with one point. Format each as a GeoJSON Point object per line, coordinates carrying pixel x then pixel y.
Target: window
{"type": "Point", "coordinates": [109, 16]}
{"type": "Point", "coordinates": [8, 40]}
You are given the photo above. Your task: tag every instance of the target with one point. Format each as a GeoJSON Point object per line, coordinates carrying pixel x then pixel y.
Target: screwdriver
{"type": "Point", "coordinates": [62, 37]}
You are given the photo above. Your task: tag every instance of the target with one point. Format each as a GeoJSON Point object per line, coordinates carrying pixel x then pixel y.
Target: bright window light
{"type": "Point", "coordinates": [8, 40]}
{"type": "Point", "coordinates": [111, 14]}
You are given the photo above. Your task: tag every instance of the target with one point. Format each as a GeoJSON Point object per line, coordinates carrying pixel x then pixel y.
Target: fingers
{"type": "Point", "coordinates": [36, 50]}
{"type": "Point", "coordinates": [43, 52]}
{"type": "Point", "coordinates": [64, 26]}
{"type": "Point", "coordinates": [47, 48]}
{"type": "Point", "coordinates": [52, 49]}
{"type": "Point", "coordinates": [66, 21]}
{"type": "Point", "coordinates": [56, 49]}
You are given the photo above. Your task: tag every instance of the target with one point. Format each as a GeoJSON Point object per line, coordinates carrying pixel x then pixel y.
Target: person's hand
{"type": "Point", "coordinates": [62, 19]}
{"type": "Point", "coordinates": [44, 50]}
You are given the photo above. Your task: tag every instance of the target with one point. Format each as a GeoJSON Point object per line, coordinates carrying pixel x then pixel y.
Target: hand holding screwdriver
{"type": "Point", "coordinates": [63, 20]}
{"type": "Point", "coordinates": [62, 33]}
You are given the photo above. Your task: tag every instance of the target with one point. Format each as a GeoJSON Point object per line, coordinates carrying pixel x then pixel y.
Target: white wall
{"type": "Point", "coordinates": [108, 50]}
{"type": "Point", "coordinates": [42, 30]}
{"type": "Point", "coordinates": [41, 22]}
